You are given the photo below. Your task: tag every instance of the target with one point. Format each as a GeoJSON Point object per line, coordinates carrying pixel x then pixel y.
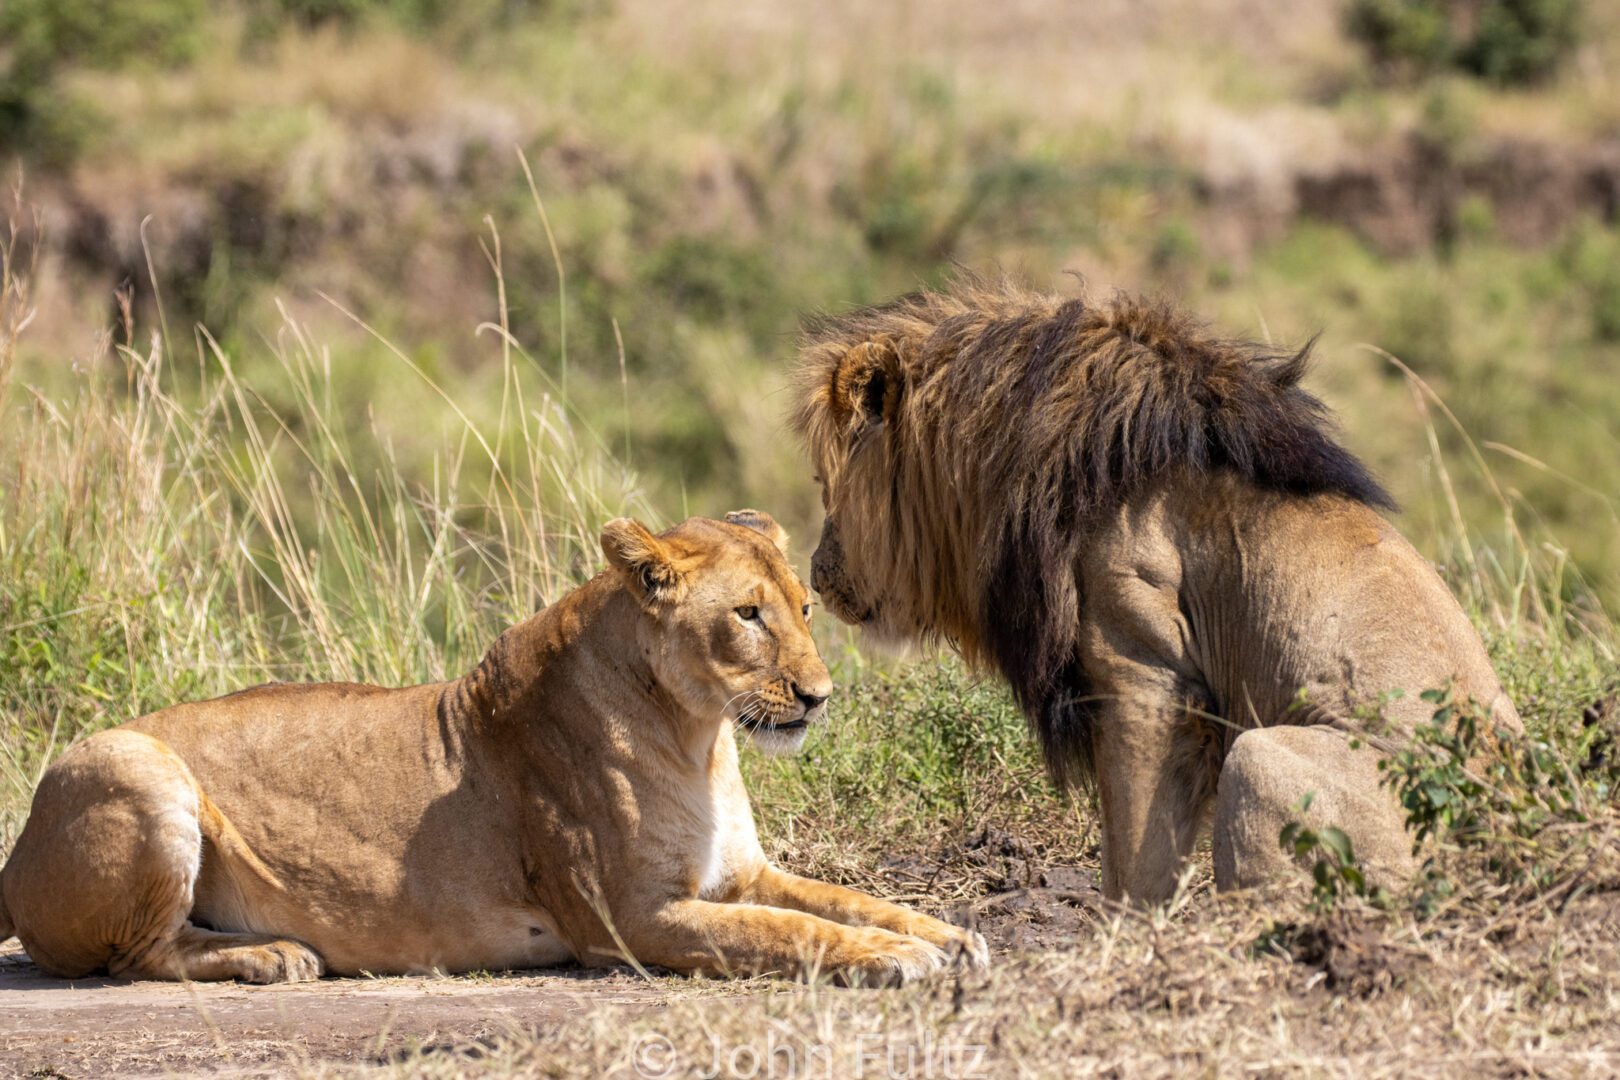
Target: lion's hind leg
{"type": "Point", "coordinates": [1265, 777]}
{"type": "Point", "coordinates": [104, 875]}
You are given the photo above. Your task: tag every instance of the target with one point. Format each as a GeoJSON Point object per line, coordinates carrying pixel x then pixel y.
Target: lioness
{"type": "Point", "coordinates": [574, 797]}
{"type": "Point", "coordinates": [1150, 533]}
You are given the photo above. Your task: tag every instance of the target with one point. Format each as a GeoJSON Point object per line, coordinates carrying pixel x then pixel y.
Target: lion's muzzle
{"type": "Point", "coordinates": [828, 578]}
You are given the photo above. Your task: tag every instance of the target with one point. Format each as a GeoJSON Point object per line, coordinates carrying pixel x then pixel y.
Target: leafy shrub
{"type": "Point", "coordinates": [1519, 814]}
{"type": "Point", "coordinates": [1504, 41]}
{"type": "Point", "coordinates": [1499, 816]}
{"type": "Point", "coordinates": [1521, 41]}
{"type": "Point", "coordinates": [1402, 37]}
{"type": "Point", "coordinates": [98, 33]}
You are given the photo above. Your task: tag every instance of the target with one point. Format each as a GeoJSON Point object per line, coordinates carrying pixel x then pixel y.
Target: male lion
{"type": "Point", "coordinates": [1149, 532]}
{"type": "Point", "coordinates": [575, 796]}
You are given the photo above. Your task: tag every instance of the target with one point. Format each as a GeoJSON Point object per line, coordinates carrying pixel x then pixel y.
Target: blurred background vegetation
{"type": "Point", "coordinates": [441, 224]}
{"type": "Point", "coordinates": [331, 330]}
{"type": "Point", "coordinates": [1437, 178]}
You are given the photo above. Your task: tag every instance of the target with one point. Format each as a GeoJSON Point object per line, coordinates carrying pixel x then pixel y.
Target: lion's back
{"type": "Point", "coordinates": [1340, 605]}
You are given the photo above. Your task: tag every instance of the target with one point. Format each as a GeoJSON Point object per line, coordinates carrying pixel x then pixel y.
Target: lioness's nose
{"type": "Point", "coordinates": [809, 700]}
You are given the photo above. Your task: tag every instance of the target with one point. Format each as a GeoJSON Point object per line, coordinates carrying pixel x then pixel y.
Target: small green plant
{"type": "Point", "coordinates": [1332, 859]}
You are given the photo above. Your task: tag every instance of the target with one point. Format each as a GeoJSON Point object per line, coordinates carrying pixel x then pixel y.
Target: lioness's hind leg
{"type": "Point", "coordinates": [1262, 782]}
{"type": "Point", "coordinates": [104, 874]}
{"type": "Point", "coordinates": [205, 955]}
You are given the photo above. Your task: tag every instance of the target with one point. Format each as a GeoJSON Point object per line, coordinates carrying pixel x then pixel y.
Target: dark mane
{"type": "Point", "coordinates": [1041, 415]}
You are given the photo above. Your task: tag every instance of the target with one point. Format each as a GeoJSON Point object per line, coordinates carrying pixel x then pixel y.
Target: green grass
{"type": "Point", "coordinates": [167, 536]}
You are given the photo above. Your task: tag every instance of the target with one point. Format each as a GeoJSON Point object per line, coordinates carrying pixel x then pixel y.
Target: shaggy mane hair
{"type": "Point", "coordinates": [997, 424]}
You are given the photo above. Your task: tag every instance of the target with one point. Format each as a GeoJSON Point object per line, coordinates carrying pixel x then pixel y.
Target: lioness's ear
{"type": "Point", "coordinates": [761, 522]}
{"type": "Point", "coordinates": [639, 556]}
{"type": "Point", "coordinates": [867, 383]}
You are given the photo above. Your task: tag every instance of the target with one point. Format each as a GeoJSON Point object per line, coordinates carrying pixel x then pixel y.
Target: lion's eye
{"type": "Point", "coordinates": [748, 613]}
{"type": "Point", "coordinates": [806, 612]}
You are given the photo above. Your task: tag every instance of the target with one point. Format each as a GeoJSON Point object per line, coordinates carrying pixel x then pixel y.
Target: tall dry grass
{"type": "Point", "coordinates": [165, 538]}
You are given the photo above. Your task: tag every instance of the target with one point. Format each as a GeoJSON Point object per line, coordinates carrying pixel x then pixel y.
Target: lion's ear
{"type": "Point", "coordinates": [645, 563]}
{"type": "Point", "coordinates": [761, 522]}
{"type": "Point", "coordinates": [867, 384]}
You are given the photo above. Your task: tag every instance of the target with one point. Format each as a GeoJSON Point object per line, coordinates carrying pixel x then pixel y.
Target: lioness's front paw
{"type": "Point", "coordinates": [893, 959]}
{"type": "Point", "coordinates": [964, 948]}
{"type": "Point", "coordinates": [968, 949]}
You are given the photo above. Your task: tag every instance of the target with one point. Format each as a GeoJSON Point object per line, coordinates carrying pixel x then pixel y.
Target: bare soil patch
{"type": "Point", "coordinates": [104, 1027]}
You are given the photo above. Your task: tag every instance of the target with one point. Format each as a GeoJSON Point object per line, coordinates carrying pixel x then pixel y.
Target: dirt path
{"type": "Point", "coordinates": [101, 1027]}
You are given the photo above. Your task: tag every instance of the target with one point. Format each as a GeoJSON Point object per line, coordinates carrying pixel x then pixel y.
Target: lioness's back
{"type": "Point", "coordinates": [328, 780]}
{"type": "Point", "coordinates": [296, 738]}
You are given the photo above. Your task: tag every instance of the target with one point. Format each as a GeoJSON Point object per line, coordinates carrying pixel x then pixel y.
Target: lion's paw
{"type": "Point", "coordinates": [968, 949]}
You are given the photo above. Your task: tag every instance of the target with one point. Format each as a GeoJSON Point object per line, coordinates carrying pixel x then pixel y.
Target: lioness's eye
{"type": "Point", "coordinates": [806, 612]}
{"type": "Point", "coordinates": [748, 613]}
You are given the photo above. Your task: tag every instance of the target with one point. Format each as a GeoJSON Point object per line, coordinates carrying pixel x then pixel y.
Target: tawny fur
{"type": "Point", "coordinates": [576, 796]}
{"type": "Point", "coordinates": [978, 446]}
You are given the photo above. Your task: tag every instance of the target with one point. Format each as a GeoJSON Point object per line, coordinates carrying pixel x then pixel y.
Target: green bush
{"type": "Point", "coordinates": [415, 13]}
{"type": "Point", "coordinates": [42, 36]}
{"type": "Point", "coordinates": [1504, 41]}
{"type": "Point", "coordinates": [1402, 37]}
{"type": "Point", "coordinates": [1521, 41]}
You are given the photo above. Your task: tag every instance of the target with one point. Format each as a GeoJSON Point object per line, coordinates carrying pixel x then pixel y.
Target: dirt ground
{"type": "Point", "coordinates": [102, 1027]}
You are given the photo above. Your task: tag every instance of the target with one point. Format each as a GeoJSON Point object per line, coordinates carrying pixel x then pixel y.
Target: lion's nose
{"type": "Point", "coordinates": [808, 700]}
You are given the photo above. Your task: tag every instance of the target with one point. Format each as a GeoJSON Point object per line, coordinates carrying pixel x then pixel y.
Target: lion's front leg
{"type": "Point", "coordinates": [1155, 780]}
{"type": "Point", "coordinates": [775, 888]}
{"type": "Point", "coordinates": [746, 939]}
